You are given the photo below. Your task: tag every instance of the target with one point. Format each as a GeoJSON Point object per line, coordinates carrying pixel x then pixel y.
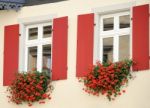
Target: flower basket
{"type": "Point", "coordinates": [30, 87]}
{"type": "Point", "coordinates": [107, 79]}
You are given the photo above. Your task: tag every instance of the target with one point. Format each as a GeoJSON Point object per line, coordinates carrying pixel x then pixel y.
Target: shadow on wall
{"type": "Point", "coordinates": [38, 2]}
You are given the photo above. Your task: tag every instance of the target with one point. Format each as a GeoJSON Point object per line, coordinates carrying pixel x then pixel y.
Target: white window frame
{"type": "Point", "coordinates": [25, 22]}
{"type": "Point", "coordinates": [115, 34]}
{"type": "Point", "coordinates": [39, 42]}
{"type": "Point", "coordinates": [109, 10]}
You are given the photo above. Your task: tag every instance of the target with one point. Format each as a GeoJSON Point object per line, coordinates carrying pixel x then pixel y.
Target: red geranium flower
{"type": "Point", "coordinates": [107, 78]}
{"type": "Point", "coordinates": [30, 87]}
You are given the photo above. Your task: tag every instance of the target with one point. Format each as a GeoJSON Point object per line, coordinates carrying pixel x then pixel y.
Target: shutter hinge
{"type": "Point", "coordinates": [19, 34]}
{"type": "Point", "coordinates": [131, 18]}
{"type": "Point", "coordinates": [94, 24]}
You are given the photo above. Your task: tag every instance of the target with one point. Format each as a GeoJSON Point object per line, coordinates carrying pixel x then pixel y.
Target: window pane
{"type": "Point", "coordinates": [124, 47]}
{"type": "Point", "coordinates": [47, 30]}
{"type": "Point", "coordinates": [32, 58]}
{"type": "Point", "coordinates": [124, 21]}
{"type": "Point", "coordinates": [108, 24]}
{"type": "Point", "coordinates": [108, 49]}
{"type": "Point", "coordinates": [33, 33]}
{"type": "Point", "coordinates": [47, 59]}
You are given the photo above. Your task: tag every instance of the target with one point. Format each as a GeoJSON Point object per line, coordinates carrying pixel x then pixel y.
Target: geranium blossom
{"type": "Point", "coordinates": [107, 78]}
{"type": "Point", "coordinates": [30, 87]}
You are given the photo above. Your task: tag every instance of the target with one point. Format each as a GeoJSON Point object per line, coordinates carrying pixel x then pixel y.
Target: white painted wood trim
{"type": "Point", "coordinates": [96, 38]}
{"type": "Point", "coordinates": [36, 19]}
{"type": "Point", "coordinates": [114, 8]}
{"type": "Point", "coordinates": [40, 49]}
{"type": "Point", "coordinates": [108, 10]}
{"type": "Point", "coordinates": [21, 47]}
{"type": "Point", "coordinates": [32, 21]}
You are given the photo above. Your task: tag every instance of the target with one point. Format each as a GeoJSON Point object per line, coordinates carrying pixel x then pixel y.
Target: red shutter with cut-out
{"type": "Point", "coordinates": [11, 53]}
{"type": "Point", "coordinates": [141, 37]}
{"type": "Point", "coordinates": [59, 48]}
{"type": "Point", "coordinates": [85, 32]}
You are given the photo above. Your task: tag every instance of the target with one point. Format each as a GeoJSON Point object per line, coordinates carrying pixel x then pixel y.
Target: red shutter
{"type": "Point", "coordinates": [59, 48]}
{"type": "Point", "coordinates": [141, 37]}
{"type": "Point", "coordinates": [11, 54]}
{"type": "Point", "coordinates": [84, 43]}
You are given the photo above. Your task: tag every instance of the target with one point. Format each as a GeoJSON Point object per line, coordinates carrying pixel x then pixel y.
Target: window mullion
{"type": "Point", "coordinates": [26, 59]}
{"type": "Point", "coordinates": [101, 26]}
{"type": "Point", "coordinates": [116, 48]}
{"type": "Point", "coordinates": [31, 45]}
{"type": "Point", "coordinates": [26, 51]}
{"type": "Point", "coordinates": [120, 29]}
{"type": "Point", "coordinates": [39, 58]}
{"type": "Point", "coordinates": [101, 49]}
{"type": "Point", "coordinates": [39, 54]}
{"type": "Point", "coordinates": [116, 39]}
{"type": "Point", "coordinates": [101, 40]}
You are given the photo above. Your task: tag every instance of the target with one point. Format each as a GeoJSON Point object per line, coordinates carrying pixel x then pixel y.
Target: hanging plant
{"type": "Point", "coordinates": [30, 87]}
{"type": "Point", "coordinates": [107, 79]}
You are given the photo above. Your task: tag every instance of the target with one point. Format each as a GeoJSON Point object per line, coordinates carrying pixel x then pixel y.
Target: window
{"type": "Point", "coordinates": [114, 38]}
{"type": "Point", "coordinates": [38, 47]}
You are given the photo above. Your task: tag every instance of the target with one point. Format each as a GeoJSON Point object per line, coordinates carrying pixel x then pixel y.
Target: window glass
{"type": "Point", "coordinates": [124, 47]}
{"type": "Point", "coordinates": [47, 30]}
{"type": "Point", "coordinates": [108, 49]}
{"type": "Point", "coordinates": [38, 45]}
{"type": "Point", "coordinates": [124, 21]}
{"type": "Point", "coordinates": [32, 58]}
{"type": "Point", "coordinates": [47, 59]}
{"type": "Point", "coordinates": [33, 33]}
{"type": "Point", "coordinates": [108, 24]}
{"type": "Point", "coordinates": [115, 37]}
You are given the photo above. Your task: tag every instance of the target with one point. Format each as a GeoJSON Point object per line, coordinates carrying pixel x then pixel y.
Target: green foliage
{"type": "Point", "coordinates": [30, 87]}
{"type": "Point", "coordinates": [108, 78]}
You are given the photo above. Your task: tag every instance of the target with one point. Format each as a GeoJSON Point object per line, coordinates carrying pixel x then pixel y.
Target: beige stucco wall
{"type": "Point", "coordinates": [68, 93]}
